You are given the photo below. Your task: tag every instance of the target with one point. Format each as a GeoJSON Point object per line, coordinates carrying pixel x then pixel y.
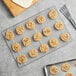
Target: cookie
{"type": "Point", "coordinates": [65, 67]}
{"type": "Point", "coordinates": [65, 37]}
{"type": "Point", "coordinates": [75, 63]}
{"type": "Point", "coordinates": [53, 14]}
{"type": "Point", "coordinates": [30, 25]}
{"type": "Point", "coordinates": [44, 48]}
{"type": "Point", "coordinates": [20, 30]}
{"type": "Point", "coordinates": [33, 53]}
{"type": "Point", "coordinates": [59, 25]}
{"type": "Point", "coordinates": [16, 47]}
{"type": "Point", "coordinates": [69, 74]}
{"type": "Point", "coordinates": [9, 35]}
{"type": "Point", "coordinates": [40, 19]}
{"type": "Point", "coordinates": [21, 59]}
{"type": "Point", "coordinates": [26, 41]}
{"type": "Point", "coordinates": [53, 42]}
{"type": "Point", "coordinates": [54, 70]}
{"type": "Point", "coordinates": [37, 36]}
{"type": "Point", "coordinates": [47, 31]}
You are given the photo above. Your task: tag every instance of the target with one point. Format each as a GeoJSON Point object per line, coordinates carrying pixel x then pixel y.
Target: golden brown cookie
{"type": "Point", "coordinates": [47, 31]}
{"type": "Point", "coordinates": [65, 67]}
{"type": "Point", "coordinates": [26, 41]}
{"type": "Point", "coordinates": [69, 74]}
{"type": "Point", "coordinates": [37, 36]}
{"type": "Point", "coordinates": [54, 70]}
{"type": "Point", "coordinates": [59, 25]}
{"type": "Point", "coordinates": [9, 35]}
{"type": "Point", "coordinates": [44, 48]}
{"type": "Point", "coordinates": [65, 37]}
{"type": "Point", "coordinates": [16, 47]}
{"type": "Point", "coordinates": [53, 14]}
{"type": "Point", "coordinates": [20, 30]}
{"type": "Point", "coordinates": [30, 25]}
{"type": "Point", "coordinates": [53, 42]}
{"type": "Point", "coordinates": [33, 53]}
{"type": "Point", "coordinates": [40, 19]}
{"type": "Point", "coordinates": [21, 59]}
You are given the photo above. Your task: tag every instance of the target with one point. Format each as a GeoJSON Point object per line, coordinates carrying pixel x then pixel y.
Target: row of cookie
{"type": "Point", "coordinates": [9, 35]}
{"type": "Point", "coordinates": [65, 67]}
{"type": "Point", "coordinates": [27, 41]}
{"type": "Point", "coordinates": [32, 53]}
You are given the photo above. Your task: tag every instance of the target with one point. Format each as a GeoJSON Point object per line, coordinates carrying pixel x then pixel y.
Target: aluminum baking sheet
{"type": "Point", "coordinates": [30, 33]}
{"type": "Point", "coordinates": [61, 73]}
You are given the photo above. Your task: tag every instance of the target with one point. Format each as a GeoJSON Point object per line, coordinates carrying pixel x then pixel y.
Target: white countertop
{"type": "Point", "coordinates": [71, 4]}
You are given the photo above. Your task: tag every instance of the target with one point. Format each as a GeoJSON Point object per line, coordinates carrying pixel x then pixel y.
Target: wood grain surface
{"type": "Point", "coordinates": [16, 9]}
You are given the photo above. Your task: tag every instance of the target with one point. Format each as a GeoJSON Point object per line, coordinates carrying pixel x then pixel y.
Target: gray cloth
{"type": "Point", "coordinates": [8, 66]}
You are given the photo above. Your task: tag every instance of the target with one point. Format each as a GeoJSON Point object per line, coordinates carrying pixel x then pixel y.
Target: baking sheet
{"type": "Point", "coordinates": [29, 33]}
{"type": "Point", "coordinates": [61, 73]}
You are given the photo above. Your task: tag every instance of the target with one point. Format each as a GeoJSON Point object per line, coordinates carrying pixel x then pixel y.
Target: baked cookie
{"type": "Point", "coordinates": [53, 42]}
{"type": "Point", "coordinates": [26, 41]}
{"type": "Point", "coordinates": [37, 36]}
{"type": "Point", "coordinates": [30, 25]}
{"type": "Point", "coordinates": [59, 25]}
{"type": "Point", "coordinates": [53, 14]}
{"type": "Point", "coordinates": [16, 47]}
{"type": "Point", "coordinates": [65, 67]}
{"type": "Point", "coordinates": [44, 48]}
{"type": "Point", "coordinates": [69, 74]}
{"type": "Point", "coordinates": [33, 53]}
{"type": "Point", "coordinates": [9, 35]}
{"type": "Point", "coordinates": [65, 37]}
{"type": "Point", "coordinates": [75, 63]}
{"type": "Point", "coordinates": [47, 31]}
{"type": "Point", "coordinates": [20, 30]}
{"type": "Point", "coordinates": [40, 19]}
{"type": "Point", "coordinates": [54, 70]}
{"type": "Point", "coordinates": [21, 59]}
